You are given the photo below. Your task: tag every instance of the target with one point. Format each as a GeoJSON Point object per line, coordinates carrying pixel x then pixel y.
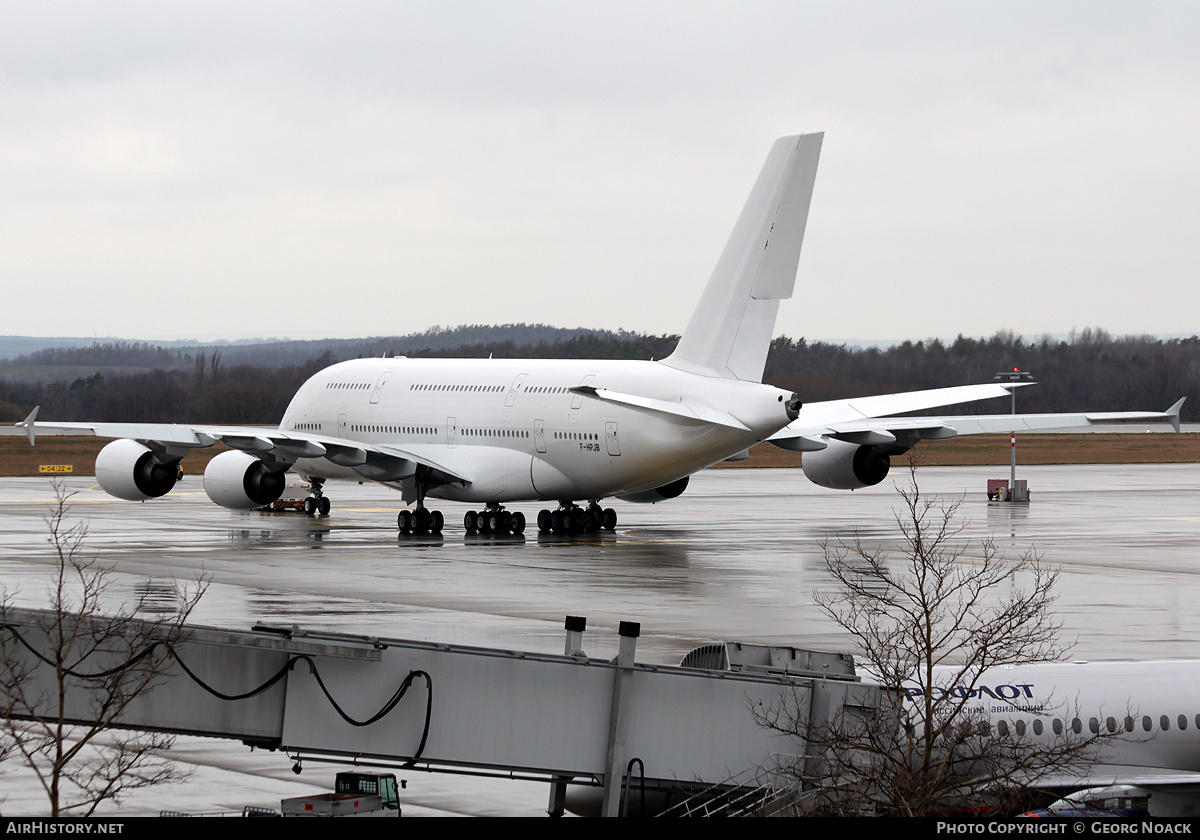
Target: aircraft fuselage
{"type": "Point", "coordinates": [520, 432]}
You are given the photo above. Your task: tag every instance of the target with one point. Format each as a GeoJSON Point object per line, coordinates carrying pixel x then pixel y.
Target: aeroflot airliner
{"type": "Point", "coordinates": [497, 431]}
{"type": "Point", "coordinates": [1143, 719]}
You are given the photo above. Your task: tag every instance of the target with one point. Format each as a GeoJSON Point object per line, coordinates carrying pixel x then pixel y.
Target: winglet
{"type": "Point", "coordinates": [27, 423]}
{"type": "Point", "coordinates": [1173, 413]}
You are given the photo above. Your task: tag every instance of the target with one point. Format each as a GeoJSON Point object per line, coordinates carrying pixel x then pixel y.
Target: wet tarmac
{"type": "Point", "coordinates": [737, 557]}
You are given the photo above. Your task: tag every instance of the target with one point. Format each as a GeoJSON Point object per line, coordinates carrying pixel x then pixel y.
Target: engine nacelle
{"type": "Point", "coordinates": [658, 494]}
{"type": "Point", "coordinates": [846, 466]}
{"type": "Point", "coordinates": [128, 470]}
{"type": "Point", "coordinates": [242, 482]}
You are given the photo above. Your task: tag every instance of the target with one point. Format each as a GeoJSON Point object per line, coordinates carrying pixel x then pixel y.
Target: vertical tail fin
{"type": "Point", "coordinates": [730, 331]}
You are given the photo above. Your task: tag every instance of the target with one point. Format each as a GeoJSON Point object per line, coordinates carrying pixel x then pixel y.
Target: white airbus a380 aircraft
{"type": "Point", "coordinates": [496, 431]}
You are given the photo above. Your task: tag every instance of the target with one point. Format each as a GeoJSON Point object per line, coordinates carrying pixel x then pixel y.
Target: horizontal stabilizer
{"type": "Point", "coordinates": [820, 418]}
{"type": "Point", "coordinates": [687, 411]}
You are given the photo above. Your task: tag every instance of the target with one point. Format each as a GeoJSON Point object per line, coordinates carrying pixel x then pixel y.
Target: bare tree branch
{"type": "Point", "coordinates": [66, 680]}
{"type": "Point", "coordinates": [930, 619]}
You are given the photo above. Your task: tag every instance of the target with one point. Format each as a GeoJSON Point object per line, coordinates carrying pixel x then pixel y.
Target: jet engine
{"type": "Point", "coordinates": [848, 466]}
{"type": "Point", "coordinates": [128, 470]}
{"type": "Point", "coordinates": [242, 482]}
{"type": "Point", "coordinates": [658, 494]}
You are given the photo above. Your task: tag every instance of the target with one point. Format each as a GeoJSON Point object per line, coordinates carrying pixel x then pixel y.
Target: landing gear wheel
{"type": "Point", "coordinates": [436, 522]}
{"type": "Point", "coordinates": [545, 521]}
{"type": "Point", "coordinates": [564, 521]}
{"type": "Point", "coordinates": [610, 519]}
{"type": "Point", "coordinates": [404, 522]}
{"type": "Point", "coordinates": [316, 503]}
{"type": "Point", "coordinates": [518, 523]}
{"type": "Point", "coordinates": [469, 522]}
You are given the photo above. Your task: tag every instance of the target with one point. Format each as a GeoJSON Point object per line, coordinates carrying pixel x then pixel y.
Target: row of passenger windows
{"type": "Point", "coordinates": [432, 430]}
{"type": "Point", "coordinates": [395, 430]}
{"type": "Point", "coordinates": [485, 389]}
{"type": "Point", "coordinates": [477, 389]}
{"type": "Point", "coordinates": [307, 427]}
{"type": "Point", "coordinates": [1110, 725]}
{"type": "Point", "coordinates": [502, 433]}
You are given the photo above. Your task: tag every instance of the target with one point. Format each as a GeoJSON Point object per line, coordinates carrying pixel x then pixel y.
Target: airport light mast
{"type": "Point", "coordinates": [1015, 375]}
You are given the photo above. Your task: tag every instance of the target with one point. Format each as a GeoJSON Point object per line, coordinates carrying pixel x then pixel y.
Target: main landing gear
{"type": "Point", "coordinates": [316, 502]}
{"type": "Point", "coordinates": [494, 520]}
{"type": "Point", "coordinates": [420, 521]}
{"type": "Point", "coordinates": [572, 519]}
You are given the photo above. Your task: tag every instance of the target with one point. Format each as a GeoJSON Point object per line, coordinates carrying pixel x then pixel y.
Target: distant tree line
{"type": "Point", "coordinates": [1089, 370]}
{"type": "Point", "coordinates": [108, 353]}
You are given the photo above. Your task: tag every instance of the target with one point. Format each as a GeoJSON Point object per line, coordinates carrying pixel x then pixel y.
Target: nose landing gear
{"type": "Point", "coordinates": [316, 501]}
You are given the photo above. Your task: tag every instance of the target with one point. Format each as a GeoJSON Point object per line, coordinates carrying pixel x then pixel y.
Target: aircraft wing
{"type": "Point", "coordinates": [1173, 791]}
{"type": "Point", "coordinates": [868, 420]}
{"type": "Point", "coordinates": [1103, 775]}
{"type": "Point", "coordinates": [376, 462]}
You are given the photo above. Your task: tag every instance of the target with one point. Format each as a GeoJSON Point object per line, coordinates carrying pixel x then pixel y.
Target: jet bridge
{"type": "Point", "coordinates": [569, 720]}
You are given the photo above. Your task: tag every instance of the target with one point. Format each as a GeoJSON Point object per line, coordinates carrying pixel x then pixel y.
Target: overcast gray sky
{"type": "Point", "coordinates": [232, 169]}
